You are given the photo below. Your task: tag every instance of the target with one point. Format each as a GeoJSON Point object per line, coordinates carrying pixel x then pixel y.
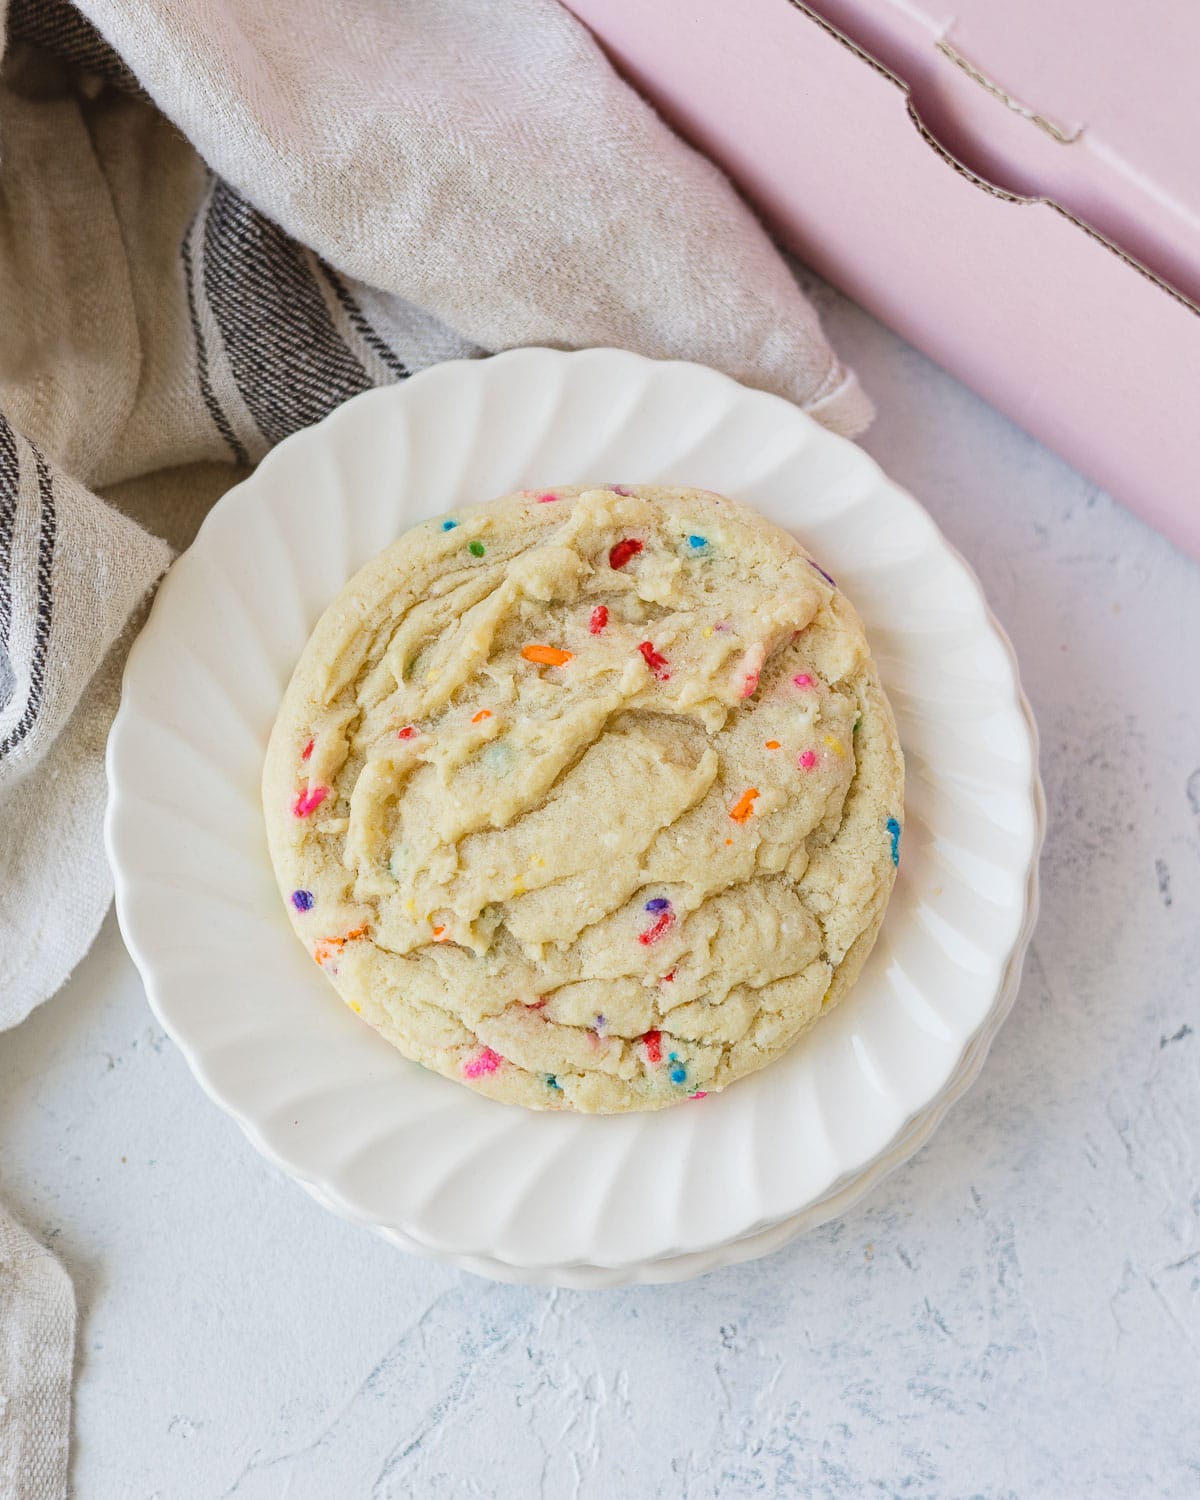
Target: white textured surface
{"type": "Point", "coordinates": [1014, 1313]}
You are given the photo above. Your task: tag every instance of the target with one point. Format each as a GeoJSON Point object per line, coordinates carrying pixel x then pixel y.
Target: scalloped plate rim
{"type": "Point", "coordinates": [726, 1251]}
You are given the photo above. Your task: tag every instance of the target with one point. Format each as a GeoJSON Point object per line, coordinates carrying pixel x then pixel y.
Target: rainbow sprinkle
{"type": "Point", "coordinates": [893, 828]}
{"type": "Point", "coordinates": [483, 1062]}
{"type": "Point", "coordinates": [664, 920]}
{"type": "Point", "coordinates": [308, 802]}
{"type": "Point", "coordinates": [655, 660]}
{"type": "Point", "coordinates": [599, 619]}
{"type": "Point", "coordinates": [302, 900]}
{"type": "Point", "coordinates": [623, 551]}
{"type": "Point", "coordinates": [546, 656]}
{"type": "Point", "coordinates": [744, 806]}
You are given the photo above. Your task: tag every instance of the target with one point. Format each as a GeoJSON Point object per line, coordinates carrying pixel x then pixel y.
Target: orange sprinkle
{"type": "Point", "coordinates": [484, 713]}
{"type": "Point", "coordinates": [744, 805]}
{"type": "Point", "coordinates": [546, 656]}
{"type": "Point", "coordinates": [772, 745]}
{"type": "Point", "coordinates": [439, 934]}
{"type": "Point", "coordinates": [729, 841]}
{"type": "Point", "coordinates": [328, 947]}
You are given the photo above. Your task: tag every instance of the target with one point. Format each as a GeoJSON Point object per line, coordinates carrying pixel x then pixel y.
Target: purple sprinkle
{"type": "Point", "coordinates": [660, 903]}
{"type": "Point", "coordinates": [302, 900]}
{"type": "Point", "coordinates": [599, 1024]}
{"type": "Point", "coordinates": [823, 573]}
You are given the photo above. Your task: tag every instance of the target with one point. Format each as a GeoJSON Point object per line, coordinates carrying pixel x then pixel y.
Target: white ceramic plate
{"type": "Point", "coordinates": [564, 1198]}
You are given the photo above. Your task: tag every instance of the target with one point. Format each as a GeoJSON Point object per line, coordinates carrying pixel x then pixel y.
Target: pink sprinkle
{"type": "Point", "coordinates": [308, 802]}
{"type": "Point", "coordinates": [620, 489]}
{"type": "Point", "coordinates": [547, 498]}
{"type": "Point", "coordinates": [486, 1061]}
{"type": "Point", "coordinates": [538, 1003]}
{"type": "Point", "coordinates": [406, 733]}
{"type": "Point", "coordinates": [699, 1094]}
{"type": "Point", "coordinates": [808, 759]}
{"type": "Point", "coordinates": [599, 619]}
{"type": "Point", "coordinates": [745, 676]}
{"type": "Point", "coordinates": [308, 750]}
{"type": "Point", "coordinates": [802, 680]}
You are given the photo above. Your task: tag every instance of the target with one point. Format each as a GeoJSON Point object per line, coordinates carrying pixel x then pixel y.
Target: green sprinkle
{"type": "Point", "coordinates": [498, 758]}
{"type": "Point", "coordinates": [857, 722]}
{"type": "Point", "coordinates": [476, 549]}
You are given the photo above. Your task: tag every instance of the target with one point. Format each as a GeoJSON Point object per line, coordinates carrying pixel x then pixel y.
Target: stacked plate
{"type": "Point", "coordinates": [563, 1199]}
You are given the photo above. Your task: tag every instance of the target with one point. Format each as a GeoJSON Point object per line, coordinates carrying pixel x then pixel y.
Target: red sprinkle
{"type": "Point", "coordinates": [308, 750]}
{"type": "Point", "coordinates": [599, 619]}
{"type": "Point", "coordinates": [538, 1003]}
{"type": "Point", "coordinates": [623, 551]}
{"type": "Point", "coordinates": [406, 733]}
{"type": "Point", "coordinates": [667, 978]}
{"type": "Point", "coordinates": [308, 802]}
{"type": "Point", "coordinates": [652, 1041]}
{"type": "Point", "coordinates": [654, 660]}
{"type": "Point", "coordinates": [662, 922]}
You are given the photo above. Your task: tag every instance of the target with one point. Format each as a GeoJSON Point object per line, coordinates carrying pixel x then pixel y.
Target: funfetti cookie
{"type": "Point", "coordinates": [588, 798]}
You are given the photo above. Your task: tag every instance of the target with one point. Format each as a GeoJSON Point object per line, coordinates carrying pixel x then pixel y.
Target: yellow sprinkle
{"type": "Point", "coordinates": [518, 888]}
{"type": "Point", "coordinates": [410, 905]}
{"type": "Point", "coordinates": [356, 1007]}
{"type": "Point", "coordinates": [539, 861]}
{"type": "Point", "coordinates": [708, 630]}
{"type": "Point", "coordinates": [835, 745]}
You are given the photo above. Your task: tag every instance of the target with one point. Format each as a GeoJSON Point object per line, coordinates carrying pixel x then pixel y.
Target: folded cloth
{"type": "Point", "coordinates": [219, 221]}
{"type": "Point", "coordinates": [37, 1339]}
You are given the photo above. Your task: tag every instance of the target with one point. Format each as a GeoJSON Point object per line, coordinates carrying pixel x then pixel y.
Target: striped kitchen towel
{"type": "Point", "coordinates": [218, 221]}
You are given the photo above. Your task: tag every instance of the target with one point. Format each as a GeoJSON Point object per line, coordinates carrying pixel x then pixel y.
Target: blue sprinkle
{"type": "Point", "coordinates": [672, 1056]}
{"type": "Point", "coordinates": [678, 1074]}
{"type": "Point", "coordinates": [302, 900]}
{"type": "Point", "coordinates": [449, 525]}
{"type": "Point", "coordinates": [660, 903]}
{"type": "Point", "coordinates": [894, 829]}
{"type": "Point", "coordinates": [552, 1082]}
{"type": "Point", "coordinates": [697, 541]}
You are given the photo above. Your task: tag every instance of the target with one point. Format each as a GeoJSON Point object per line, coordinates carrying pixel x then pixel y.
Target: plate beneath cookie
{"type": "Point", "coordinates": [564, 1198]}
